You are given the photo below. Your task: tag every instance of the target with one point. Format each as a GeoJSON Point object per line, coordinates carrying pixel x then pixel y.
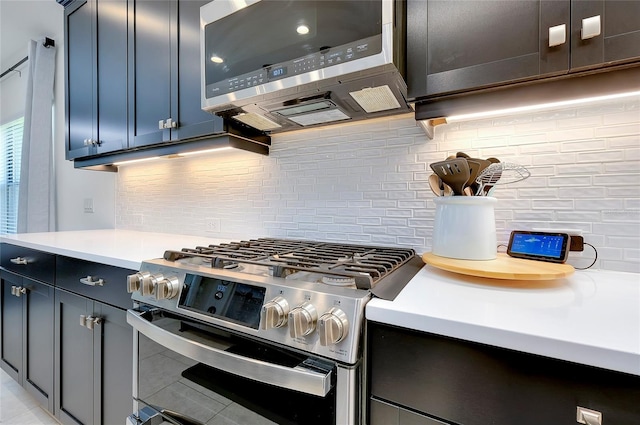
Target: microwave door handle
{"type": "Point", "coordinates": [297, 378]}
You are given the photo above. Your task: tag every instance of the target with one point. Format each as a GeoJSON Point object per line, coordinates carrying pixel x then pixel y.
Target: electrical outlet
{"type": "Point", "coordinates": [213, 225]}
{"type": "Point", "coordinates": [88, 205]}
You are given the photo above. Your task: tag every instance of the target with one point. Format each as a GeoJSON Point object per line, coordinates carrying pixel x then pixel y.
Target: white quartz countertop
{"type": "Point", "coordinates": [591, 317]}
{"type": "Point", "coordinates": [121, 248]}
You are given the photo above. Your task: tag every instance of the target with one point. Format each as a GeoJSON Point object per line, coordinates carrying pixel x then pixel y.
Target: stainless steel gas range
{"type": "Point", "coordinates": [257, 332]}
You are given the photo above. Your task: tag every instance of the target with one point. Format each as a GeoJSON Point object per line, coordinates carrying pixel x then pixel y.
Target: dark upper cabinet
{"type": "Point", "coordinates": [619, 38]}
{"type": "Point", "coordinates": [96, 77]}
{"type": "Point", "coordinates": [192, 120]}
{"type": "Point", "coordinates": [460, 46]}
{"type": "Point", "coordinates": [165, 63]}
{"type": "Point", "coordinates": [132, 72]}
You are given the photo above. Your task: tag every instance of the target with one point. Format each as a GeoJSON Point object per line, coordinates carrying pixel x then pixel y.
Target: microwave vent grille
{"type": "Point", "coordinates": [375, 99]}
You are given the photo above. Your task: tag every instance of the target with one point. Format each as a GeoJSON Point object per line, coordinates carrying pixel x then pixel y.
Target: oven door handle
{"type": "Point", "coordinates": [298, 378]}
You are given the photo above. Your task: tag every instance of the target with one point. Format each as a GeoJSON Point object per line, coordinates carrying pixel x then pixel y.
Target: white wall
{"type": "Point", "coordinates": [367, 182]}
{"type": "Point", "coordinates": [37, 19]}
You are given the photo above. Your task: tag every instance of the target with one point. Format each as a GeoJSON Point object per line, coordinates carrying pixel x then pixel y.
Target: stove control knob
{"type": "Point", "coordinates": [333, 327]}
{"type": "Point", "coordinates": [149, 283]}
{"type": "Point", "coordinates": [167, 288]}
{"type": "Point", "coordinates": [274, 313]}
{"type": "Point", "coordinates": [302, 320]}
{"type": "Point", "coordinates": [134, 281]}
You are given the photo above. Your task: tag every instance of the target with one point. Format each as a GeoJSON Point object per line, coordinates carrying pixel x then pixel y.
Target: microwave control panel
{"type": "Point", "coordinates": [313, 62]}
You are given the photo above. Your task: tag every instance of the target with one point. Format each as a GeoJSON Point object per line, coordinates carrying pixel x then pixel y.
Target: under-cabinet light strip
{"type": "Point", "coordinates": [133, 161]}
{"type": "Point", "coordinates": [204, 151]}
{"type": "Point", "coordinates": [174, 155]}
{"type": "Point", "coordinates": [538, 107]}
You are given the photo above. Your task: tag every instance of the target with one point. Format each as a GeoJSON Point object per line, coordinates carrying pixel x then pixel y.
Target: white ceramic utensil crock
{"type": "Point", "coordinates": [465, 227]}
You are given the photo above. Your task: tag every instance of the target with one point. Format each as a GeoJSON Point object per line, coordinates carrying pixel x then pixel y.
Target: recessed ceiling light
{"type": "Point", "coordinates": [302, 29]}
{"type": "Point", "coordinates": [216, 59]}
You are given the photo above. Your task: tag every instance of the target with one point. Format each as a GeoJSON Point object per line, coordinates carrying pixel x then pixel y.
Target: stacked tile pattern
{"type": "Point", "coordinates": [366, 182]}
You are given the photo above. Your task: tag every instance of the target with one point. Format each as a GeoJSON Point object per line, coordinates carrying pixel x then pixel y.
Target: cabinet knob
{"type": "Point", "coordinates": [590, 27]}
{"type": "Point", "coordinates": [89, 321]}
{"type": "Point", "coordinates": [557, 35]}
{"type": "Point", "coordinates": [168, 123]}
{"type": "Point", "coordinates": [92, 142]}
{"type": "Point", "coordinates": [18, 291]}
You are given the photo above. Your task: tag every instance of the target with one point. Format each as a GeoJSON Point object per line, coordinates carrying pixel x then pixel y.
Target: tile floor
{"type": "Point", "coordinates": [17, 407]}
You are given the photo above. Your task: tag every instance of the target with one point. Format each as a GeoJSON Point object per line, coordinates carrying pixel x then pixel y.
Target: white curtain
{"type": "Point", "coordinates": [36, 200]}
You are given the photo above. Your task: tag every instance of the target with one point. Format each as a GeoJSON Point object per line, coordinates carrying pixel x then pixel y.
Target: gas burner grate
{"type": "Point", "coordinates": [365, 264]}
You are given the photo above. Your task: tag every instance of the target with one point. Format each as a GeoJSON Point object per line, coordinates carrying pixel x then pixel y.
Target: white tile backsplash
{"type": "Point", "coordinates": [366, 182]}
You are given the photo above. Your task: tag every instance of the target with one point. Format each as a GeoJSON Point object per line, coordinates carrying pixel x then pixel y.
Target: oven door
{"type": "Point", "coordinates": [187, 372]}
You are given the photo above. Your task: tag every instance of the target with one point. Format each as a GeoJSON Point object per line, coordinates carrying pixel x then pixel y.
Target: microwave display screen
{"type": "Point", "coordinates": [273, 39]}
{"type": "Point", "coordinates": [233, 301]}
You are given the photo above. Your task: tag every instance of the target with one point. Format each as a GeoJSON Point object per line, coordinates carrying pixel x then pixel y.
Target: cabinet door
{"type": "Point", "coordinates": [192, 120]}
{"type": "Point", "coordinates": [455, 46]}
{"type": "Point", "coordinates": [80, 78]}
{"type": "Point", "coordinates": [116, 357]}
{"type": "Point", "coordinates": [619, 39]}
{"type": "Point", "coordinates": [11, 329]}
{"type": "Point", "coordinates": [74, 365]}
{"type": "Point", "coordinates": [150, 52]}
{"type": "Point", "coordinates": [38, 361]}
{"type": "Point", "coordinates": [111, 34]}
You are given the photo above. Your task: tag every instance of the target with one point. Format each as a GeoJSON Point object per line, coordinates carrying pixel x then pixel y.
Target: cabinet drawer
{"type": "Point", "coordinates": [99, 282]}
{"type": "Point", "coordinates": [388, 414]}
{"type": "Point", "coordinates": [28, 262]}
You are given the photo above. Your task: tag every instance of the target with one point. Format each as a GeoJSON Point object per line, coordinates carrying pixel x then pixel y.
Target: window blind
{"type": "Point", "coordinates": [10, 156]}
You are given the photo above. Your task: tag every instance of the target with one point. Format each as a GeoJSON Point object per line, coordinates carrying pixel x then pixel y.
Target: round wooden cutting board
{"type": "Point", "coordinates": [503, 267]}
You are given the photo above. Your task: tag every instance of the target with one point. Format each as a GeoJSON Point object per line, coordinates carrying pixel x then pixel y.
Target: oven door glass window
{"type": "Point", "coordinates": [184, 391]}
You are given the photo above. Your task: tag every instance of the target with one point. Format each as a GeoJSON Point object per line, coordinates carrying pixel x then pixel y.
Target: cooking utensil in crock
{"type": "Point", "coordinates": [500, 173]}
{"type": "Point", "coordinates": [453, 172]}
{"type": "Point", "coordinates": [474, 168]}
{"type": "Point", "coordinates": [438, 187]}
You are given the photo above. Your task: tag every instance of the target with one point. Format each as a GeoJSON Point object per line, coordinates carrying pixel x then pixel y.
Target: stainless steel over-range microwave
{"type": "Point", "coordinates": [279, 65]}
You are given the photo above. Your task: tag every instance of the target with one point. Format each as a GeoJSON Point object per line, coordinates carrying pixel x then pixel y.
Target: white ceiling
{"type": "Point", "coordinates": [22, 20]}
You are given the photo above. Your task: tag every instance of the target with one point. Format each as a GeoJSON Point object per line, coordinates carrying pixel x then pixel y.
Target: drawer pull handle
{"type": "Point", "coordinates": [19, 260]}
{"type": "Point", "coordinates": [588, 416]}
{"type": "Point", "coordinates": [92, 281]}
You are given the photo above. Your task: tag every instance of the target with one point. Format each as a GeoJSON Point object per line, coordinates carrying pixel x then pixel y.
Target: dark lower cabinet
{"type": "Point", "coordinates": [94, 343]}
{"type": "Point", "coordinates": [93, 361]}
{"type": "Point", "coordinates": [26, 335]}
{"type": "Point", "coordinates": [420, 378]}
